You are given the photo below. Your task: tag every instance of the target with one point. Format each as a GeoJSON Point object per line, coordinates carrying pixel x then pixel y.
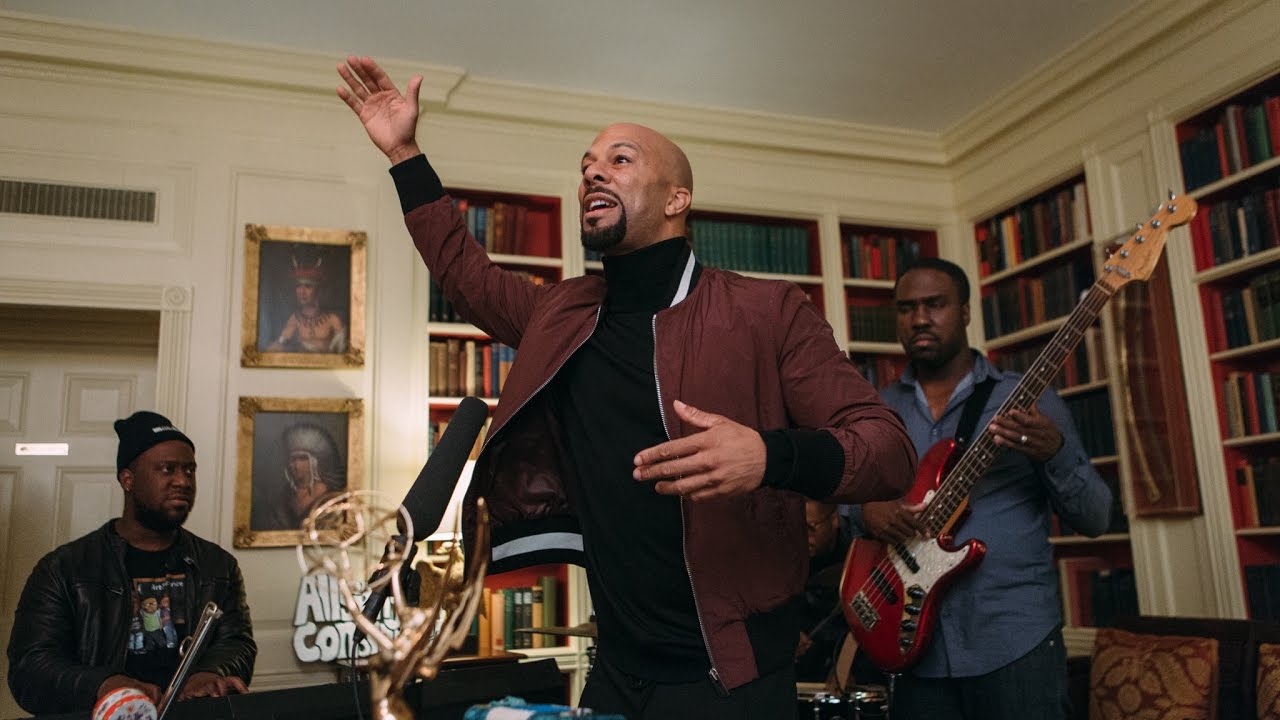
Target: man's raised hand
{"type": "Point", "coordinates": [390, 118]}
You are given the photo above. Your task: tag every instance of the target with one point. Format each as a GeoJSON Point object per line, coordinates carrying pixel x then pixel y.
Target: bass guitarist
{"type": "Point", "coordinates": [997, 650]}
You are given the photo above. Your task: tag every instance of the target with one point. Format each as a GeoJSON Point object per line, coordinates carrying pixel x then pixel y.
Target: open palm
{"type": "Point", "coordinates": [390, 118]}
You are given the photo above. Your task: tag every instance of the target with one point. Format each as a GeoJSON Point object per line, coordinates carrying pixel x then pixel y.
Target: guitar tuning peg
{"type": "Point", "coordinates": [1137, 226]}
{"type": "Point", "coordinates": [1171, 195]}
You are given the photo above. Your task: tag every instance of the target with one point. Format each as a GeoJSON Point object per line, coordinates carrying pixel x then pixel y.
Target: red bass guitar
{"type": "Point", "coordinates": [890, 593]}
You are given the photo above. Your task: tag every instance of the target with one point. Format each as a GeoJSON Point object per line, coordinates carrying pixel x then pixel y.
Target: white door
{"type": "Point", "coordinates": [59, 385]}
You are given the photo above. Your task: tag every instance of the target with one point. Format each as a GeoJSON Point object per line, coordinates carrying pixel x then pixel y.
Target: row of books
{"type": "Point", "coordinates": [1257, 492]}
{"type": "Point", "coordinates": [1249, 401]}
{"type": "Point", "coordinates": [1242, 136]}
{"type": "Point", "coordinates": [873, 323]}
{"type": "Point", "coordinates": [435, 431]}
{"type": "Point", "coordinates": [1023, 302]}
{"type": "Point", "coordinates": [1245, 315]}
{"type": "Point", "coordinates": [1052, 220]}
{"type": "Point", "coordinates": [1086, 364]}
{"type": "Point", "coordinates": [879, 370]}
{"type": "Point", "coordinates": [1237, 227]}
{"type": "Point", "coordinates": [1091, 412]}
{"type": "Point", "coordinates": [459, 367]}
{"type": "Point", "coordinates": [503, 228]}
{"type": "Point", "coordinates": [503, 611]}
{"type": "Point", "coordinates": [876, 256]}
{"type": "Point", "coordinates": [1094, 594]}
{"type": "Point", "coordinates": [751, 247]}
{"type": "Point", "coordinates": [1262, 588]}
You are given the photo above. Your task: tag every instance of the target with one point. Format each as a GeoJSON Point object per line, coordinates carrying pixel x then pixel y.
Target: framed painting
{"type": "Point", "coordinates": [291, 454]}
{"type": "Point", "coordinates": [304, 296]}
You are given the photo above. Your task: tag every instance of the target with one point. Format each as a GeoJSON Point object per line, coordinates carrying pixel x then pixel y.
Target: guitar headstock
{"type": "Point", "coordinates": [1137, 257]}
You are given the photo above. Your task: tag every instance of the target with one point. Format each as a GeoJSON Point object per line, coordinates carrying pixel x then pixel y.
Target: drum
{"type": "Point", "coordinates": [870, 702]}
{"type": "Point", "coordinates": [824, 706]}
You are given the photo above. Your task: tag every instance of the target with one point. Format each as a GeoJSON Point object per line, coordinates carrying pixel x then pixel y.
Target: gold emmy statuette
{"type": "Point", "coordinates": [353, 538]}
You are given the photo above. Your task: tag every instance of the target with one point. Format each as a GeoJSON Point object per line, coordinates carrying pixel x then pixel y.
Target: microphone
{"type": "Point", "coordinates": [428, 497]}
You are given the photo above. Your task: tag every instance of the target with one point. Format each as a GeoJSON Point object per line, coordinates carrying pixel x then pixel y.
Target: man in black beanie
{"type": "Point", "coordinates": [110, 609]}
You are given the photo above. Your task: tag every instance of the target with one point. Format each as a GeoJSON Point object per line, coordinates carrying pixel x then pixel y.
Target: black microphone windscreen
{"type": "Point", "coordinates": [428, 498]}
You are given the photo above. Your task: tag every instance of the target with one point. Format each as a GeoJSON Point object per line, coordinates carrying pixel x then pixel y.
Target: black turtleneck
{"type": "Point", "coordinates": [608, 402]}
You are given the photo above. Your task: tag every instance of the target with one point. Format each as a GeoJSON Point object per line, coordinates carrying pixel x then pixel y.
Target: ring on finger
{"type": "Point", "coordinates": [1023, 440]}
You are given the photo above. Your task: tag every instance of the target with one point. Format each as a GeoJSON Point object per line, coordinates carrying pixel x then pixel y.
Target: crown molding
{"type": "Point", "coordinates": [714, 126]}
{"type": "Point", "coordinates": [29, 39]}
{"type": "Point", "coordinates": [1059, 82]}
{"type": "Point", "coordinates": [35, 38]}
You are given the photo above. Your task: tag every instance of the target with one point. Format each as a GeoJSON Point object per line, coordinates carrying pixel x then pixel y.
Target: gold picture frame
{"type": "Point", "coordinates": [304, 297]}
{"type": "Point", "coordinates": [291, 453]}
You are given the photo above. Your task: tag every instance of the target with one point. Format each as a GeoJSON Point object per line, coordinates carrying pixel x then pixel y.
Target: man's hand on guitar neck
{"type": "Point", "coordinates": [1029, 432]}
{"type": "Point", "coordinates": [892, 521]}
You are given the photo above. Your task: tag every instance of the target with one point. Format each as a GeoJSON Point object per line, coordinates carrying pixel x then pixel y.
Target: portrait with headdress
{"type": "Point", "coordinates": [294, 453]}
{"type": "Point", "coordinates": [307, 291]}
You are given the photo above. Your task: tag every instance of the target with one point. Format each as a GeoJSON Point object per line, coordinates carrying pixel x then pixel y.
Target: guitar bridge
{"type": "Point", "coordinates": [864, 611]}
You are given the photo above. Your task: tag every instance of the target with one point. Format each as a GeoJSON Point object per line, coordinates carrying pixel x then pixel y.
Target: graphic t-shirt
{"type": "Point", "coordinates": [158, 624]}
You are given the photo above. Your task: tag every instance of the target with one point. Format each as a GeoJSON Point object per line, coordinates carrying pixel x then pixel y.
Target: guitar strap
{"type": "Point", "coordinates": [973, 410]}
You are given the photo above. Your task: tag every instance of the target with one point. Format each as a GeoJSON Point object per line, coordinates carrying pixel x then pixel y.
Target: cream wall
{"type": "Point", "coordinates": [232, 135]}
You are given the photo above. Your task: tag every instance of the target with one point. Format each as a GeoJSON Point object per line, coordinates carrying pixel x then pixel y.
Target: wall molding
{"type": "Point", "coordinates": [173, 302]}
{"type": "Point", "coordinates": [48, 45]}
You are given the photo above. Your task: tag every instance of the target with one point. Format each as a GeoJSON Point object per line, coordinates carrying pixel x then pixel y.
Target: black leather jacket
{"type": "Point", "coordinates": [72, 622]}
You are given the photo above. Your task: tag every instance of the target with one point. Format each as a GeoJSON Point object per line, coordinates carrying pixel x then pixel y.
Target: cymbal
{"type": "Point", "coordinates": [586, 630]}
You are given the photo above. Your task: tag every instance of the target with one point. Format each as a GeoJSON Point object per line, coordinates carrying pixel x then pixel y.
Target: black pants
{"type": "Point", "coordinates": [1033, 686]}
{"type": "Point", "coordinates": [609, 690]}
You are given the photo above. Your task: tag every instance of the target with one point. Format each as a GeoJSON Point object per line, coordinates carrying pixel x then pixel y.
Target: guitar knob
{"type": "Point", "coordinates": [908, 625]}
{"type": "Point", "coordinates": [905, 644]}
{"type": "Point", "coordinates": [915, 591]}
{"type": "Point", "coordinates": [911, 609]}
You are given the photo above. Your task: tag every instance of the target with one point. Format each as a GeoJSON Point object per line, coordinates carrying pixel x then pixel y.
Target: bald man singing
{"type": "Point", "coordinates": [661, 425]}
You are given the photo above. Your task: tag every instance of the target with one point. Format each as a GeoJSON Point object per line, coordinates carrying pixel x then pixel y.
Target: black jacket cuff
{"type": "Point", "coordinates": [417, 183]}
{"type": "Point", "coordinates": [809, 462]}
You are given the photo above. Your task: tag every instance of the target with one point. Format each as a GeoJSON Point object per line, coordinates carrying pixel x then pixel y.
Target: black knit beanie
{"type": "Point", "coordinates": [142, 431]}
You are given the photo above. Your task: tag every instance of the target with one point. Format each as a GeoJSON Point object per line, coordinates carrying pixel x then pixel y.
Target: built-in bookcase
{"type": "Point", "coordinates": [871, 259]}
{"type": "Point", "coordinates": [1035, 259]}
{"type": "Point", "coordinates": [1230, 162]}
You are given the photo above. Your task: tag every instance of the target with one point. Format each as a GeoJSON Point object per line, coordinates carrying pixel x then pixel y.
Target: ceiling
{"type": "Point", "coordinates": [909, 64]}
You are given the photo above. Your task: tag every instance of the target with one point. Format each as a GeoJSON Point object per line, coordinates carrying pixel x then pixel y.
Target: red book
{"type": "Point", "coordinates": [1272, 106]}
{"type": "Point", "coordinates": [486, 360]}
{"type": "Point", "coordinates": [1249, 394]}
{"type": "Point", "coordinates": [1271, 199]}
{"type": "Point", "coordinates": [1215, 327]}
{"type": "Point", "coordinates": [984, 253]}
{"type": "Point", "coordinates": [1247, 494]}
{"type": "Point", "coordinates": [1222, 149]}
{"type": "Point", "coordinates": [1202, 241]}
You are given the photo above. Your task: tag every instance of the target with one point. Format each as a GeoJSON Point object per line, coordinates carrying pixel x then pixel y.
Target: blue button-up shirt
{"type": "Point", "coordinates": [1000, 610]}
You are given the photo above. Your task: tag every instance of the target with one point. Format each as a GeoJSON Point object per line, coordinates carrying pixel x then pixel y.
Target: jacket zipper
{"type": "Point", "coordinates": [546, 382]}
{"type": "Point", "coordinates": [713, 673]}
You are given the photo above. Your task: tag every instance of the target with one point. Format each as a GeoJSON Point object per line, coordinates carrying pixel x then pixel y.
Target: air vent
{"type": "Point", "coordinates": [77, 201]}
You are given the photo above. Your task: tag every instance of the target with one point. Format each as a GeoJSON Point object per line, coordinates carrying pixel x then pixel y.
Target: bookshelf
{"type": "Point", "coordinates": [1034, 259]}
{"type": "Point", "coordinates": [521, 232]}
{"type": "Point", "coordinates": [761, 246]}
{"type": "Point", "coordinates": [871, 259]}
{"type": "Point", "coordinates": [1229, 159]}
